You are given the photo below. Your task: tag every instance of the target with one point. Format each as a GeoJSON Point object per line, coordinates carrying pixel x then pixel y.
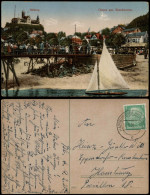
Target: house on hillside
{"type": "Point", "coordinates": [99, 36]}
{"type": "Point", "coordinates": [117, 29]}
{"type": "Point", "coordinates": [96, 36]}
{"type": "Point", "coordinates": [33, 35]}
{"type": "Point", "coordinates": [77, 40]}
{"type": "Point", "coordinates": [39, 32]}
{"type": "Point", "coordinates": [131, 30]}
{"type": "Point", "coordinates": [87, 37]}
{"type": "Point", "coordinates": [140, 37]}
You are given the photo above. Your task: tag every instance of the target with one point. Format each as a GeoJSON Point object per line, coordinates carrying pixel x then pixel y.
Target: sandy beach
{"type": "Point", "coordinates": [136, 77]}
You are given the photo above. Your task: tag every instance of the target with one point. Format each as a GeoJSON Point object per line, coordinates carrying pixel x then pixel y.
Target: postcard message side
{"type": "Point", "coordinates": [34, 151]}
{"type": "Point", "coordinates": [71, 146]}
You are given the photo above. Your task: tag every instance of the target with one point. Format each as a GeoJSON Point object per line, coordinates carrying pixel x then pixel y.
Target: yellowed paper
{"type": "Point", "coordinates": [74, 146]}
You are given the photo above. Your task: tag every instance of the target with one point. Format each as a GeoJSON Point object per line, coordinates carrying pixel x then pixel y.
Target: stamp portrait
{"type": "Point", "coordinates": [131, 124]}
{"type": "Point", "coordinates": [135, 117]}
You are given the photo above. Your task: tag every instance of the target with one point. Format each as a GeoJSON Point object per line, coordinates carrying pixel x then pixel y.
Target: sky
{"type": "Point", "coordinates": [58, 16]}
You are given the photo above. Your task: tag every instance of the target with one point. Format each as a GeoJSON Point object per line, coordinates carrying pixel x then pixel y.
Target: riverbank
{"type": "Point", "coordinates": [136, 77]}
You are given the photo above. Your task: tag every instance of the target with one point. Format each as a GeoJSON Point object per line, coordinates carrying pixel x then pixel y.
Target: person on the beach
{"type": "Point", "coordinates": [41, 47]}
{"type": "Point", "coordinates": [67, 49]}
{"type": "Point", "coordinates": [88, 48]}
{"type": "Point", "coordinates": [9, 48]}
{"type": "Point", "coordinates": [61, 73]}
{"type": "Point", "coordinates": [47, 47]}
{"type": "Point", "coordinates": [35, 49]}
{"type": "Point", "coordinates": [145, 53]}
{"type": "Point", "coordinates": [73, 69]}
{"type": "Point", "coordinates": [70, 48]}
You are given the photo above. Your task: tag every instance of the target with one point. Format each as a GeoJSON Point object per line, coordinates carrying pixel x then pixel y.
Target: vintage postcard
{"type": "Point", "coordinates": [75, 146]}
{"type": "Point", "coordinates": [74, 49]}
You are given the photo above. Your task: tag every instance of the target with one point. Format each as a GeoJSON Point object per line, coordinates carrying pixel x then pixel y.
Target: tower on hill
{"type": "Point", "coordinates": [23, 13]}
{"type": "Point", "coordinates": [25, 20]}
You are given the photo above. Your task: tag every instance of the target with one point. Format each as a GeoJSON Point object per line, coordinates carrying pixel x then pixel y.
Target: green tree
{"type": "Point", "coordinates": [45, 35]}
{"type": "Point", "coordinates": [83, 35]}
{"type": "Point", "coordinates": [22, 37]}
{"type": "Point", "coordinates": [49, 36]}
{"type": "Point", "coordinates": [60, 35]}
{"type": "Point", "coordinates": [84, 42]}
{"type": "Point", "coordinates": [66, 42]}
{"type": "Point", "coordinates": [94, 43]}
{"type": "Point", "coordinates": [54, 41]}
{"type": "Point", "coordinates": [109, 40]}
{"type": "Point", "coordinates": [38, 39]}
{"type": "Point", "coordinates": [78, 34]}
{"type": "Point", "coordinates": [5, 34]}
{"type": "Point", "coordinates": [118, 40]}
{"type": "Point", "coordinates": [92, 33]}
{"type": "Point", "coordinates": [106, 31]}
{"type": "Point", "coordinates": [31, 41]}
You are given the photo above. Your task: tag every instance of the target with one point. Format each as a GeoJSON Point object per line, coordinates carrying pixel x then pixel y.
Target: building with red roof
{"type": "Point", "coordinates": [77, 40]}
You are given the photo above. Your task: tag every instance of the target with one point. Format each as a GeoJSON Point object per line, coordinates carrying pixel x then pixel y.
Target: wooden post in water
{"type": "Point", "coordinates": [29, 65]}
{"type": "Point", "coordinates": [5, 73]}
{"type": "Point", "coordinates": [48, 63]}
{"type": "Point", "coordinates": [14, 73]}
{"type": "Point", "coordinates": [10, 65]}
{"type": "Point", "coordinates": [32, 63]}
{"type": "Point", "coordinates": [98, 78]}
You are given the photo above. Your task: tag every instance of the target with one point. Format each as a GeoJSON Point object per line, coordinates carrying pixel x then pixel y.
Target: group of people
{"type": "Point", "coordinates": [45, 48]}
{"type": "Point", "coordinates": [13, 48]}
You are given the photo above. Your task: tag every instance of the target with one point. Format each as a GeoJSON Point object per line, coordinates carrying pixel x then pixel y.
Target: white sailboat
{"type": "Point", "coordinates": [106, 78]}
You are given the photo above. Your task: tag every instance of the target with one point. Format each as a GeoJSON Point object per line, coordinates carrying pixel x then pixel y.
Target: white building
{"type": "Point", "coordinates": [140, 37]}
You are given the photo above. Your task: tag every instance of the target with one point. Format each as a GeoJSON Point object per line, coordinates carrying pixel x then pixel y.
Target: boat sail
{"type": "Point", "coordinates": [106, 76]}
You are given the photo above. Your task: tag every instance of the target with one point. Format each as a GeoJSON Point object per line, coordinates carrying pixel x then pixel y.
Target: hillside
{"type": "Point", "coordinates": [19, 32]}
{"type": "Point", "coordinates": [141, 22]}
{"type": "Point", "coordinates": [23, 27]}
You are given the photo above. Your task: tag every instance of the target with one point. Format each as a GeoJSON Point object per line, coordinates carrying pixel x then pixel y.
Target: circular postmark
{"type": "Point", "coordinates": [129, 125]}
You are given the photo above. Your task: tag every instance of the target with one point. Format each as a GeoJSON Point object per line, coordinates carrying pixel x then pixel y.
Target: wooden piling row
{"type": "Point", "coordinates": [7, 62]}
{"type": "Point", "coordinates": [8, 65]}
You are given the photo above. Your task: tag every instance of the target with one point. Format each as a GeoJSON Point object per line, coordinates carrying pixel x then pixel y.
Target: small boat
{"type": "Point", "coordinates": [106, 78]}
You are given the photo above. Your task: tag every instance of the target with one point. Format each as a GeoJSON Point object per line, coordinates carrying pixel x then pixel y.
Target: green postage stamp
{"type": "Point", "coordinates": [135, 118]}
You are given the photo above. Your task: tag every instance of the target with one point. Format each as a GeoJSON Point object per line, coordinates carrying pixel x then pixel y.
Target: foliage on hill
{"type": "Point", "coordinates": [20, 32]}
{"type": "Point", "coordinates": [141, 22]}
{"type": "Point", "coordinates": [23, 27]}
